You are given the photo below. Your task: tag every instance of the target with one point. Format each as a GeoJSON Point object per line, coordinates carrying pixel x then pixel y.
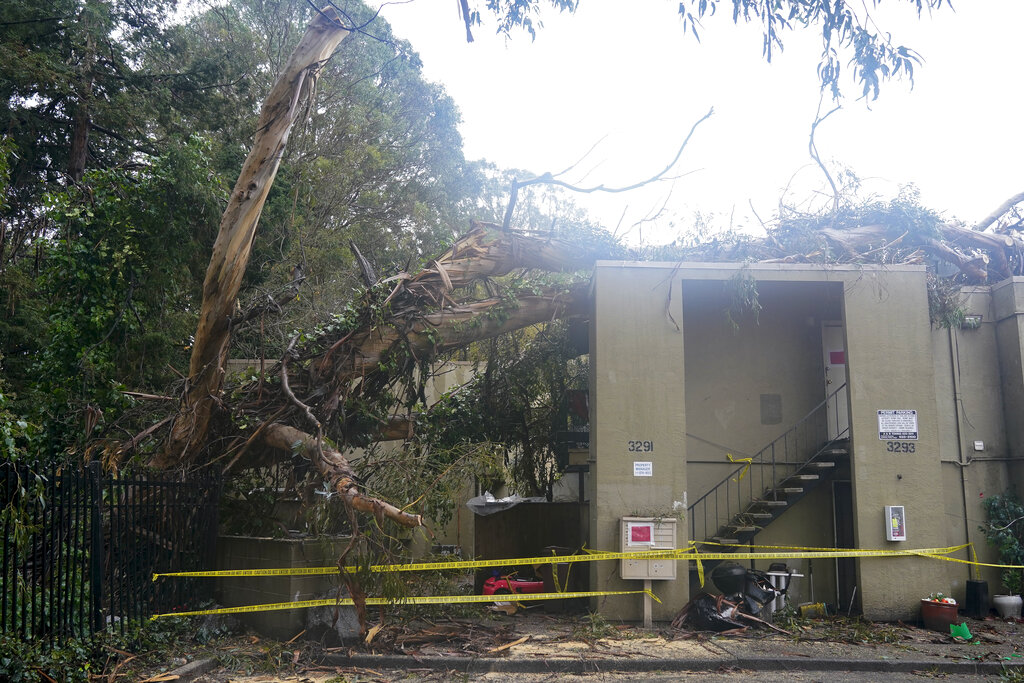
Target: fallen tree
{"type": "Point", "coordinates": [335, 386]}
{"type": "Point", "coordinates": [899, 231]}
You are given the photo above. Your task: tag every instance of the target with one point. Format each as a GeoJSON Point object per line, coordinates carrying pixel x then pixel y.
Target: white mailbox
{"type": "Point", "coordinates": [637, 534]}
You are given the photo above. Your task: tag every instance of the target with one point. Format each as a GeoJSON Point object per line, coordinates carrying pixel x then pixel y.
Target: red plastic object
{"type": "Point", "coordinates": [509, 584]}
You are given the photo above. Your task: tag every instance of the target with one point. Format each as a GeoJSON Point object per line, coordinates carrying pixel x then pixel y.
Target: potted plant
{"type": "Point", "coordinates": [1009, 605]}
{"type": "Point", "coordinates": [938, 612]}
{"type": "Point", "coordinates": [1005, 531]}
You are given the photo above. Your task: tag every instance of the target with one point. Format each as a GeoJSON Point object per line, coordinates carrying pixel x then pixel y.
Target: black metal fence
{"type": "Point", "coordinates": [80, 547]}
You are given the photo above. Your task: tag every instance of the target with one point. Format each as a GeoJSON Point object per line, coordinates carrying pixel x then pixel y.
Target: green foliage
{"type": "Point", "coordinates": [518, 401]}
{"type": "Point", "coordinates": [68, 61]}
{"type": "Point", "coordinates": [1004, 530]}
{"type": "Point", "coordinates": [147, 644]}
{"type": "Point", "coordinates": [120, 274]}
{"type": "Point", "coordinates": [18, 436]}
{"type": "Point", "coordinates": [945, 302]}
{"type": "Point", "coordinates": [848, 32]}
{"type": "Point", "coordinates": [593, 627]}
{"type": "Point", "coordinates": [73, 661]}
{"type": "Point", "coordinates": [743, 298]}
{"type": "Point", "coordinates": [519, 14]}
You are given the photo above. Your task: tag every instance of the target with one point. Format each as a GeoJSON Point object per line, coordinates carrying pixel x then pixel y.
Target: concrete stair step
{"type": "Point", "coordinates": [771, 503]}
{"type": "Point", "coordinates": [821, 464]}
{"type": "Point", "coordinates": [804, 477]}
{"type": "Point", "coordinates": [724, 540]}
{"type": "Point", "coordinates": [789, 489]}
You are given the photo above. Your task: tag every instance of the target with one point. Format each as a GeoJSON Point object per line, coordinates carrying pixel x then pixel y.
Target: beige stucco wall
{"type": "Point", "coordinates": [889, 366]}
{"type": "Point", "coordinates": [637, 355]}
{"type": "Point", "coordinates": [637, 393]}
{"type": "Point", "coordinates": [726, 374]}
{"type": "Point", "coordinates": [969, 396]}
{"type": "Point", "coordinates": [807, 524]}
{"type": "Point", "coordinates": [1008, 303]}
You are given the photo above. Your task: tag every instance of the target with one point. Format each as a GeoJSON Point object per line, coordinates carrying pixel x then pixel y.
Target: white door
{"type": "Point", "coordinates": [833, 345]}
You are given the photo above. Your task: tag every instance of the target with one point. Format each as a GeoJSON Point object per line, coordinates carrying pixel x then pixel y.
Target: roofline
{"type": "Point", "coordinates": [764, 267]}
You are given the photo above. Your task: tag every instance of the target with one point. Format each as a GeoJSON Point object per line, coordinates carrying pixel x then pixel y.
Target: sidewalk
{"type": "Point", "coordinates": [521, 645]}
{"type": "Point", "coordinates": [822, 646]}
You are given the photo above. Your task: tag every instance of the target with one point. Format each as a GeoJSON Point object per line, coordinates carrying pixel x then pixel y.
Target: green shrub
{"type": "Point", "coordinates": [1005, 531]}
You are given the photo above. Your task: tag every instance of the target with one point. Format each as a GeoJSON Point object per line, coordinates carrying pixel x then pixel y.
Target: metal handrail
{"type": "Point", "coordinates": [759, 459]}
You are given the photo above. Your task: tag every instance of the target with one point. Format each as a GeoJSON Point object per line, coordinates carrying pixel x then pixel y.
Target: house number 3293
{"type": "Point", "coordinates": [899, 446]}
{"type": "Point", "coordinates": [640, 446]}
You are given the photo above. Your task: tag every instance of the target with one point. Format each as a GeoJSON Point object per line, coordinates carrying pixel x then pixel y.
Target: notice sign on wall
{"type": "Point", "coordinates": [643, 469]}
{"type": "Point", "coordinates": [896, 425]}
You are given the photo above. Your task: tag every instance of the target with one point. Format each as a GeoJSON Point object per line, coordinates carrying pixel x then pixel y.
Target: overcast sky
{"type": "Point", "coordinates": [624, 74]}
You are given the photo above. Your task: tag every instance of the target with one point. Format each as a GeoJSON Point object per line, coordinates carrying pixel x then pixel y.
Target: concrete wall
{"type": "Point", "coordinates": [889, 366]}
{"type": "Point", "coordinates": [727, 374]}
{"type": "Point", "coordinates": [637, 354]}
{"type": "Point", "coordinates": [808, 524]}
{"type": "Point", "coordinates": [1008, 305]}
{"type": "Point", "coordinates": [969, 395]}
{"type": "Point", "coordinates": [244, 552]}
{"type": "Point", "coordinates": [637, 394]}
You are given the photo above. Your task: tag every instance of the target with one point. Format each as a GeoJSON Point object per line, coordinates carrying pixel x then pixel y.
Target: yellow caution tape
{"type": "Point", "coordinates": [423, 600]}
{"type": "Point", "coordinates": [593, 556]}
{"type": "Point", "coordinates": [747, 463]}
{"type": "Point", "coordinates": [433, 566]}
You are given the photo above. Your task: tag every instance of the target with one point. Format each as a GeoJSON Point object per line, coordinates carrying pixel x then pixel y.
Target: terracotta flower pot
{"type": "Point", "coordinates": [938, 616]}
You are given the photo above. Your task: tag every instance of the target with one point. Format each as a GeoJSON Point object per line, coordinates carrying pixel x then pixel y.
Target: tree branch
{"type": "Point", "coordinates": [337, 471]}
{"type": "Point", "coordinates": [988, 220]}
{"type": "Point", "coordinates": [551, 179]}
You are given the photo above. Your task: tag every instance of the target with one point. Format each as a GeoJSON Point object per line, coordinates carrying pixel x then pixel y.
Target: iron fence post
{"type": "Point", "coordinates": [95, 474]}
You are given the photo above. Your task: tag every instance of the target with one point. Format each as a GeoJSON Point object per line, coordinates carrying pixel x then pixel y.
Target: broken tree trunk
{"type": "Point", "coordinates": [336, 471]}
{"type": "Point", "coordinates": [237, 228]}
{"type": "Point", "coordinates": [326, 384]}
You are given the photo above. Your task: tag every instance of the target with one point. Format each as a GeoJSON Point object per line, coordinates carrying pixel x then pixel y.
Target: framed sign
{"type": "Point", "coordinates": [643, 469]}
{"type": "Point", "coordinates": [897, 425]}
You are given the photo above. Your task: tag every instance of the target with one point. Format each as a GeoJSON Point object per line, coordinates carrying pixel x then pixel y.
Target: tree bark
{"type": "Point", "coordinates": [435, 333]}
{"type": "Point", "coordinates": [336, 471]}
{"type": "Point", "coordinates": [82, 120]}
{"type": "Point", "coordinates": [231, 250]}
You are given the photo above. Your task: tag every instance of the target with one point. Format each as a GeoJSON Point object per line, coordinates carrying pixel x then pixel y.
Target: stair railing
{"type": "Point", "coordinates": [761, 478]}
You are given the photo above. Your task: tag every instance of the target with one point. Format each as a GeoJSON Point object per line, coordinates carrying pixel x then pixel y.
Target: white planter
{"type": "Point", "coordinates": [1008, 606]}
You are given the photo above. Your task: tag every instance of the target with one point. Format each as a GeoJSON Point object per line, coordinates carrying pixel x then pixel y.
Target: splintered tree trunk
{"type": "Point", "coordinates": [422, 320]}
{"type": "Point", "coordinates": [449, 330]}
{"type": "Point", "coordinates": [234, 241]}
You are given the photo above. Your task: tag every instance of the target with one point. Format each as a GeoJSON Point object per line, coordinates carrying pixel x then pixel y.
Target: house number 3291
{"type": "Point", "coordinates": [640, 446]}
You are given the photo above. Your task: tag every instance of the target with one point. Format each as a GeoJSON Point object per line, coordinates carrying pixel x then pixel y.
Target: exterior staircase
{"type": "Point", "coordinates": [757, 493]}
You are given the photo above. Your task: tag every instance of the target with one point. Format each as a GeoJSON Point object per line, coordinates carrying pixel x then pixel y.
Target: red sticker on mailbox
{"type": "Point", "coordinates": [640, 533]}
{"type": "Point", "coordinates": [837, 357]}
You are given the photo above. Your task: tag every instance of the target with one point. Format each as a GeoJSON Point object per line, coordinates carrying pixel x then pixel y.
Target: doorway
{"type": "Point", "coordinates": [846, 567]}
{"type": "Point", "coordinates": [833, 346]}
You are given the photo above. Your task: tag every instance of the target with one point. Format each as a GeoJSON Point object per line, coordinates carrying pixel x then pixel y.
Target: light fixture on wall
{"type": "Point", "coordinates": [971, 322]}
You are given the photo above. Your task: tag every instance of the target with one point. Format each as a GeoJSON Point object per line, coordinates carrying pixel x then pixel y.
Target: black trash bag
{"type": "Point", "coordinates": [745, 593]}
{"type": "Point", "coordinates": [710, 613]}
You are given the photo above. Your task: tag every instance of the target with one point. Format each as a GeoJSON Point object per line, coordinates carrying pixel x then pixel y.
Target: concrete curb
{"type": "Point", "coordinates": [193, 670]}
{"type": "Point", "coordinates": [605, 665]}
